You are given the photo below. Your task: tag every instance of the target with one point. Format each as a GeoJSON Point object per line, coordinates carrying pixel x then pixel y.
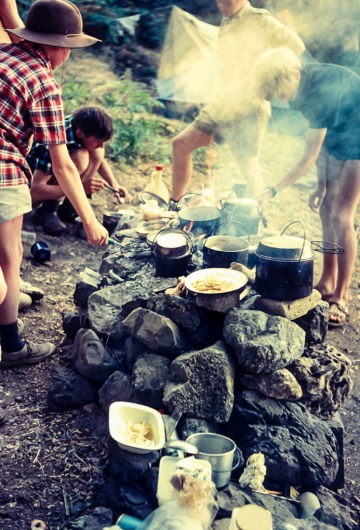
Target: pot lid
{"type": "Point", "coordinates": [171, 240]}
{"type": "Point", "coordinates": [285, 248]}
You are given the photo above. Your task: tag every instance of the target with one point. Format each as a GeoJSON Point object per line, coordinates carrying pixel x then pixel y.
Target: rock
{"type": "Point", "coordinates": [28, 288]}
{"type": "Point", "coordinates": [99, 518]}
{"type": "Point", "coordinates": [288, 309]}
{"type": "Point", "coordinates": [262, 343]}
{"type": "Point", "coordinates": [309, 504]}
{"type": "Point", "coordinates": [88, 283]}
{"type": "Point", "coordinates": [299, 448]}
{"type": "Point", "coordinates": [69, 390]}
{"type": "Point", "coordinates": [149, 376]}
{"type": "Point", "coordinates": [324, 375]}
{"type": "Point", "coordinates": [73, 321]}
{"type": "Point", "coordinates": [279, 385]}
{"type": "Point", "coordinates": [202, 383]}
{"type": "Point", "coordinates": [315, 323]}
{"type": "Point", "coordinates": [158, 333]}
{"type": "Point", "coordinates": [117, 387]}
{"type": "Point", "coordinates": [90, 357]}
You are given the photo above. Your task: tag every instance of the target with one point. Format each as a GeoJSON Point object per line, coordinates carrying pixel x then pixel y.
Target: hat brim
{"type": "Point", "coordinates": [62, 41]}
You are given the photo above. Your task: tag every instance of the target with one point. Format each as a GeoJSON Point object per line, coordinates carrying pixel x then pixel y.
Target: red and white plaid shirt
{"type": "Point", "coordinates": [30, 104]}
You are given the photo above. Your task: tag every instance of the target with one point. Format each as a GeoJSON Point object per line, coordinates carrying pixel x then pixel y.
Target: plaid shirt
{"type": "Point", "coordinates": [30, 104]}
{"type": "Point", "coordinates": [39, 156]}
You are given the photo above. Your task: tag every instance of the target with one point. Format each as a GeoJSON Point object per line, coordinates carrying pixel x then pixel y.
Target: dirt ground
{"type": "Point", "coordinates": [49, 467]}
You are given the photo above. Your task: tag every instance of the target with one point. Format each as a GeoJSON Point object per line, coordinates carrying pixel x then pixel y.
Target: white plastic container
{"type": "Point", "coordinates": [165, 490]}
{"type": "Point", "coordinates": [122, 414]}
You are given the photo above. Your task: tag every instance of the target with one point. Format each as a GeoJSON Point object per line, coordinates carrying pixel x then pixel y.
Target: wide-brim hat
{"type": "Point", "coordinates": [56, 23]}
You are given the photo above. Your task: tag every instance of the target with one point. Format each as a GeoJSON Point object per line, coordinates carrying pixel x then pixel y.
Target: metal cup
{"type": "Point", "coordinates": [40, 251]}
{"type": "Point", "coordinates": [219, 451]}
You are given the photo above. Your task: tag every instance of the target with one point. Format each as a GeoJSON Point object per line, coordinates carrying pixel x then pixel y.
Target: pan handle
{"type": "Point", "coordinates": [327, 247]}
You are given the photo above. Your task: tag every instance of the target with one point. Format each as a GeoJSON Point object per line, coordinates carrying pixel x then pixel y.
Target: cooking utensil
{"type": "Point", "coordinates": [146, 197]}
{"type": "Point", "coordinates": [220, 250]}
{"type": "Point", "coordinates": [197, 218]}
{"type": "Point", "coordinates": [172, 422]}
{"type": "Point", "coordinates": [144, 228]}
{"type": "Point", "coordinates": [285, 265]}
{"type": "Point", "coordinates": [232, 280]}
{"type": "Point", "coordinates": [244, 210]}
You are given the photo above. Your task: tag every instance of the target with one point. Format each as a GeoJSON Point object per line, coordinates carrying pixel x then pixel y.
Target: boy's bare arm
{"type": "Point", "coordinates": [68, 177]}
{"type": "Point", "coordinates": [10, 18]}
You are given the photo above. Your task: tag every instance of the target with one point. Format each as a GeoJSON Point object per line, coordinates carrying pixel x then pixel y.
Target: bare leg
{"type": "Point", "coordinates": [250, 170]}
{"type": "Point", "coordinates": [183, 145]}
{"type": "Point", "coordinates": [10, 261]}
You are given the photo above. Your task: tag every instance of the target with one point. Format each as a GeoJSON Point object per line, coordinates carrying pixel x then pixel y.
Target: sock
{"type": "Point", "coordinates": [10, 339]}
{"type": "Point", "coordinates": [48, 206]}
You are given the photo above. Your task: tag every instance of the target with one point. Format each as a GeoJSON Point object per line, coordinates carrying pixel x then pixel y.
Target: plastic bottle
{"type": "Point", "coordinates": [157, 185]}
{"type": "Point", "coordinates": [28, 237]}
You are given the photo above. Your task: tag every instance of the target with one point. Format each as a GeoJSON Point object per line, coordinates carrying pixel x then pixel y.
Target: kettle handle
{"type": "Point", "coordinates": [333, 248]}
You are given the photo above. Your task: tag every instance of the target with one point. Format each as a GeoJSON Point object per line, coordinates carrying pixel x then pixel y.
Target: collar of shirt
{"type": "Point", "coordinates": [71, 139]}
{"type": "Point", "coordinates": [239, 14]}
{"type": "Point", "coordinates": [36, 51]}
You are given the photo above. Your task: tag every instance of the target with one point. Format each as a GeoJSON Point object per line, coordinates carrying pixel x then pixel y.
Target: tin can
{"type": "Point", "coordinates": [128, 522]}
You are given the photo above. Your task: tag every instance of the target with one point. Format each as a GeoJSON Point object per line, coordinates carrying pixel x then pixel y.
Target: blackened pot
{"type": "Point", "coordinates": [199, 219]}
{"type": "Point", "coordinates": [284, 280]}
{"type": "Point", "coordinates": [172, 267]}
{"type": "Point", "coordinates": [222, 250]}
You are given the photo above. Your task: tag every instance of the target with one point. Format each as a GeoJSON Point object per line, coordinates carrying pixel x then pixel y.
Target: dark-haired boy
{"type": "Point", "coordinates": [87, 130]}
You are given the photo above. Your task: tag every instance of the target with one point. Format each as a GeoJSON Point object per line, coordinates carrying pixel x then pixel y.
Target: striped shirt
{"type": "Point", "coordinates": [30, 105]}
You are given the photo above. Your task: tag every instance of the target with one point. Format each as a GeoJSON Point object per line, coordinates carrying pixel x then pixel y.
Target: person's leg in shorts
{"type": "Point", "coordinates": [14, 202]}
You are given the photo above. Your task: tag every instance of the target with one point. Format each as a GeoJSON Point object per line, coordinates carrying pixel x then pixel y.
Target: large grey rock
{"type": "Point", "coordinates": [69, 390]}
{"type": "Point", "coordinates": [299, 448]}
{"type": "Point", "coordinates": [262, 343]}
{"type": "Point", "coordinates": [87, 283]}
{"type": "Point", "coordinates": [158, 333]}
{"type": "Point", "coordinates": [202, 383]}
{"type": "Point", "coordinates": [149, 376]}
{"type": "Point", "coordinates": [90, 357]}
{"type": "Point", "coordinates": [278, 385]}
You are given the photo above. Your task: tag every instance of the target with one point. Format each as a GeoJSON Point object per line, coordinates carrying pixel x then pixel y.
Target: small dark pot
{"type": "Point", "coordinates": [172, 267]}
{"type": "Point", "coordinates": [221, 251]}
{"type": "Point", "coordinates": [243, 210]}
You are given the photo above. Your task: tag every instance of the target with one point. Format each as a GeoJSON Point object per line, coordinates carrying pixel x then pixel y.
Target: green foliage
{"type": "Point", "coordinates": [75, 95]}
{"type": "Point", "coordinates": [138, 131]}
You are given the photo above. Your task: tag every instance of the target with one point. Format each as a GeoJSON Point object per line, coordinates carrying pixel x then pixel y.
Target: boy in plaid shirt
{"type": "Point", "coordinates": [31, 109]}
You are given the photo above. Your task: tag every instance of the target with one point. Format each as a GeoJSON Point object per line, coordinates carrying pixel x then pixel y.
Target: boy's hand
{"type": "Point", "coordinates": [122, 193]}
{"type": "Point", "coordinates": [96, 233]}
{"type": "Point", "coordinates": [93, 185]}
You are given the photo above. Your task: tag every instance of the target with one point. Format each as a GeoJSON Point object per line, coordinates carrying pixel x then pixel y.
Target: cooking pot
{"type": "Point", "coordinates": [244, 210]}
{"type": "Point", "coordinates": [285, 265]}
{"type": "Point", "coordinates": [172, 249]}
{"type": "Point", "coordinates": [221, 250]}
{"type": "Point", "coordinates": [195, 216]}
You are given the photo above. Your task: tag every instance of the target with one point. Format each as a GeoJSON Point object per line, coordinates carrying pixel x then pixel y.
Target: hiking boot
{"type": "Point", "coordinates": [31, 353]}
{"type": "Point", "coordinates": [52, 225]}
{"type": "Point", "coordinates": [25, 300]}
{"type": "Point", "coordinates": [67, 212]}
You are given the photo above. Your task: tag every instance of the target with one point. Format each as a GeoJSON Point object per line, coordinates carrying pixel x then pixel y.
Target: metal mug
{"type": "Point", "coordinates": [220, 452]}
{"type": "Point", "coordinates": [40, 251]}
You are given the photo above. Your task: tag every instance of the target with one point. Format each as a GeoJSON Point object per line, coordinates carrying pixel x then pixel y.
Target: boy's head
{"type": "Point", "coordinates": [93, 121]}
{"type": "Point", "coordinates": [55, 23]}
{"type": "Point", "coordinates": [276, 74]}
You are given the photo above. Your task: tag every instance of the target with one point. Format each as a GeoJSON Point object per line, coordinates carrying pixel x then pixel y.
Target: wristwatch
{"type": "Point", "coordinates": [272, 191]}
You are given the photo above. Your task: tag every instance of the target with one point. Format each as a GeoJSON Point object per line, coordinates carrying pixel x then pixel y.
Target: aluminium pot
{"type": "Point", "coordinates": [285, 266]}
{"type": "Point", "coordinates": [221, 250]}
{"type": "Point", "coordinates": [197, 217]}
{"type": "Point", "coordinates": [172, 249]}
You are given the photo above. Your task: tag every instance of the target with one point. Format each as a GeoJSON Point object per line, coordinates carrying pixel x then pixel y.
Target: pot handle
{"type": "Point", "coordinates": [304, 235]}
{"type": "Point", "coordinates": [199, 195]}
{"type": "Point", "coordinates": [239, 458]}
{"type": "Point", "coordinates": [327, 247]}
{"type": "Point", "coordinates": [188, 235]}
{"type": "Point", "coordinates": [227, 223]}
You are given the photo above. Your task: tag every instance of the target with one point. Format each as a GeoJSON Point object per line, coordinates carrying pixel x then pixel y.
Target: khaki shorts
{"type": "Point", "coordinates": [14, 201]}
{"type": "Point", "coordinates": [241, 125]}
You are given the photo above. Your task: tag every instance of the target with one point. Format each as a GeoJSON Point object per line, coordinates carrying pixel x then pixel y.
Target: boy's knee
{"type": "Point", "coordinates": [3, 287]}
